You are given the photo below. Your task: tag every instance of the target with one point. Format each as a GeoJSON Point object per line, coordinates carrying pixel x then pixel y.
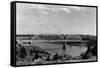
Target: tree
{"type": "Point", "coordinates": [94, 47]}
{"type": "Point", "coordinates": [48, 58]}
{"type": "Point", "coordinates": [36, 56]}
{"type": "Point", "coordinates": [33, 59]}
{"type": "Point", "coordinates": [56, 56]}
{"type": "Point", "coordinates": [22, 53]}
{"type": "Point", "coordinates": [86, 55]}
{"type": "Point", "coordinates": [31, 52]}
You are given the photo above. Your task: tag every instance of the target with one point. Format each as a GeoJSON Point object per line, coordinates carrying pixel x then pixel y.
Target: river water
{"type": "Point", "coordinates": [57, 48]}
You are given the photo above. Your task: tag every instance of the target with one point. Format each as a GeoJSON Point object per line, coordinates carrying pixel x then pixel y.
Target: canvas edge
{"type": "Point", "coordinates": [13, 31]}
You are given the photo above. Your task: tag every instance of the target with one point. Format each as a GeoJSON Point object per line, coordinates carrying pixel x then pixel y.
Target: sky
{"type": "Point", "coordinates": [55, 19]}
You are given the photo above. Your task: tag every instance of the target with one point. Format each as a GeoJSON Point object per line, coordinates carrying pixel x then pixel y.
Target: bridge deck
{"type": "Point", "coordinates": [58, 41]}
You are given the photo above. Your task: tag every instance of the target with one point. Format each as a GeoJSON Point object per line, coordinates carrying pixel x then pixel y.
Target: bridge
{"type": "Point", "coordinates": [58, 39]}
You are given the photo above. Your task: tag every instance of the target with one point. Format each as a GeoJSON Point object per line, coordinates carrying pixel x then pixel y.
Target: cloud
{"type": "Point", "coordinates": [45, 8]}
{"type": "Point", "coordinates": [66, 10]}
{"type": "Point", "coordinates": [45, 12]}
{"type": "Point", "coordinates": [76, 8]}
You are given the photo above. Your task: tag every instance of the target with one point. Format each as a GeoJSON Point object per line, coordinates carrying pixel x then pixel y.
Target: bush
{"type": "Point", "coordinates": [36, 56]}
{"type": "Point", "coordinates": [22, 53]}
{"type": "Point", "coordinates": [48, 58]}
{"type": "Point", "coordinates": [56, 57]}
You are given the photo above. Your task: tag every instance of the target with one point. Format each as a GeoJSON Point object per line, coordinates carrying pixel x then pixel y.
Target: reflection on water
{"type": "Point", "coordinates": [57, 48]}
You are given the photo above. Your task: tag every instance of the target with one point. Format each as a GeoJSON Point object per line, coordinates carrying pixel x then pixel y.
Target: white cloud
{"type": "Point", "coordinates": [76, 8]}
{"type": "Point", "coordinates": [44, 8]}
{"type": "Point", "coordinates": [66, 10]}
{"type": "Point", "coordinates": [45, 12]}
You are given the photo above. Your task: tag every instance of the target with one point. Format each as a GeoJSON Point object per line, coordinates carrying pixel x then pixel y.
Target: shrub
{"type": "Point", "coordinates": [22, 53]}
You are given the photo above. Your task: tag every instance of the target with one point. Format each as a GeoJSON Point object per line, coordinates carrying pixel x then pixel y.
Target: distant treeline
{"type": "Point", "coordinates": [84, 37]}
